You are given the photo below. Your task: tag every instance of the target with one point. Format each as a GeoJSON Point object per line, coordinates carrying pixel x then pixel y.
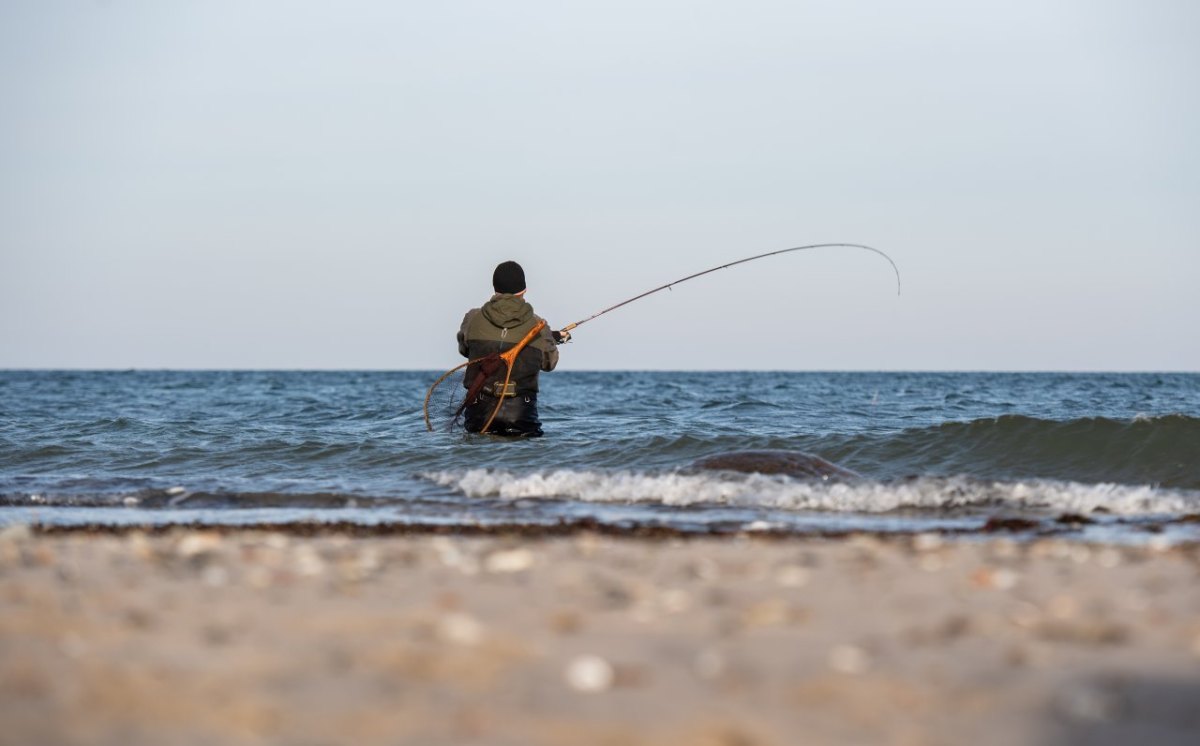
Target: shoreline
{"type": "Point", "coordinates": [231, 635]}
{"type": "Point", "coordinates": [1067, 526]}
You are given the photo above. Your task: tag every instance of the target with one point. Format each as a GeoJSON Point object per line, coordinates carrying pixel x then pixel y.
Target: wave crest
{"type": "Point", "coordinates": [1162, 450]}
{"type": "Point", "coordinates": [784, 493]}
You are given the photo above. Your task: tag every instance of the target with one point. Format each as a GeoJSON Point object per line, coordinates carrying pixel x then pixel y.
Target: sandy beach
{"type": "Point", "coordinates": [257, 637]}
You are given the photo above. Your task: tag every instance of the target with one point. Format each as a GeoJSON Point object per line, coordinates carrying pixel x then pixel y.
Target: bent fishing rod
{"type": "Point", "coordinates": [566, 329]}
{"type": "Point", "coordinates": [508, 358]}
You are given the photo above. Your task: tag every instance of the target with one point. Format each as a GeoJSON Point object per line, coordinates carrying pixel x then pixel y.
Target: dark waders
{"type": "Point", "coordinates": [518, 415]}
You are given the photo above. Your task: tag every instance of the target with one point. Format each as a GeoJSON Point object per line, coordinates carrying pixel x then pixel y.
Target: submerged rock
{"type": "Point", "coordinates": [789, 463]}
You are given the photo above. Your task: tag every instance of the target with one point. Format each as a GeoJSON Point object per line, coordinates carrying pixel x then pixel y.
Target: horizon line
{"type": "Point", "coordinates": [1097, 371]}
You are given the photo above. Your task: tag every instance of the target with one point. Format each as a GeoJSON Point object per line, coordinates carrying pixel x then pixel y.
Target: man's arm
{"type": "Point", "coordinates": [545, 343]}
{"type": "Point", "coordinates": [462, 334]}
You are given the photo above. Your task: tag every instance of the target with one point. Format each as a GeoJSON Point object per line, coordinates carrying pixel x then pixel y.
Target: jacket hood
{"type": "Point", "coordinates": [507, 311]}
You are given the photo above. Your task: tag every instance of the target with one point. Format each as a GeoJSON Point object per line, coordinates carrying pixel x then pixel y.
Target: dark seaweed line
{"type": "Point", "coordinates": [1064, 524]}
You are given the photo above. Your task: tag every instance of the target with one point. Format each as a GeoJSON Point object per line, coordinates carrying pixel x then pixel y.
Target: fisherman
{"type": "Point", "coordinates": [497, 326]}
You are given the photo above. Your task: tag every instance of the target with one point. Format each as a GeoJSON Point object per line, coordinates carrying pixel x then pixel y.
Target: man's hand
{"type": "Point", "coordinates": [561, 337]}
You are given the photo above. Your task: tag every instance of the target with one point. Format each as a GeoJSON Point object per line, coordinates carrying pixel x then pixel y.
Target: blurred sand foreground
{"type": "Point", "coordinates": [249, 637]}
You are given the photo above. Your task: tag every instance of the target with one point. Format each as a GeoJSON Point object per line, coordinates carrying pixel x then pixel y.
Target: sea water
{"type": "Point", "coordinates": [1101, 455]}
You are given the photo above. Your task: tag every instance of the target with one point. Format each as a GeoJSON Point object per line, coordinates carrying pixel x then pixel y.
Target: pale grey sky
{"type": "Point", "coordinates": [329, 185]}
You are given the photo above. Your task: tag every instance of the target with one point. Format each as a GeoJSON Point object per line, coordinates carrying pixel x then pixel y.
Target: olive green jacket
{"type": "Point", "coordinates": [499, 325]}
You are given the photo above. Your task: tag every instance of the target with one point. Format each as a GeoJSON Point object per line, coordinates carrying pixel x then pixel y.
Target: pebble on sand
{"type": "Point", "coordinates": [589, 674]}
{"type": "Point", "coordinates": [675, 600]}
{"type": "Point", "coordinates": [1108, 558]}
{"type": "Point", "coordinates": [451, 556]}
{"type": "Point", "coordinates": [930, 562]}
{"type": "Point", "coordinates": [849, 659]}
{"type": "Point", "coordinates": [792, 576]}
{"type": "Point", "coordinates": [308, 562]}
{"type": "Point", "coordinates": [139, 545]}
{"type": "Point", "coordinates": [1063, 606]}
{"type": "Point", "coordinates": [927, 542]}
{"type": "Point", "coordinates": [276, 540]}
{"type": "Point", "coordinates": [510, 560]}
{"type": "Point", "coordinates": [769, 612]}
{"type": "Point", "coordinates": [198, 543]}
{"type": "Point", "coordinates": [566, 622]}
{"type": "Point", "coordinates": [215, 576]}
{"type": "Point", "coordinates": [1025, 615]}
{"type": "Point", "coordinates": [460, 629]}
{"type": "Point", "coordinates": [1000, 578]}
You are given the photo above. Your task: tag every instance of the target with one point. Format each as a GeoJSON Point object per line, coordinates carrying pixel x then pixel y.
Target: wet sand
{"type": "Point", "coordinates": [256, 637]}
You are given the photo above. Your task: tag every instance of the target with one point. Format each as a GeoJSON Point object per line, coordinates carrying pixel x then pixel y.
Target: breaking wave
{"type": "Point", "coordinates": [785, 493]}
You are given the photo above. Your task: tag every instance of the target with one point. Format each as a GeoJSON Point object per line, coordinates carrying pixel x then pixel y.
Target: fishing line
{"type": "Point", "coordinates": [669, 285]}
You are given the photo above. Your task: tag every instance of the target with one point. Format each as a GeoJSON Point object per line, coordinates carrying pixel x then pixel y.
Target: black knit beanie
{"type": "Point", "coordinates": [508, 278]}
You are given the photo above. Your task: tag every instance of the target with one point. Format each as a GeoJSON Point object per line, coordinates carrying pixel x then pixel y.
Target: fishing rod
{"type": "Point", "coordinates": [669, 285]}
{"type": "Point", "coordinates": [490, 363]}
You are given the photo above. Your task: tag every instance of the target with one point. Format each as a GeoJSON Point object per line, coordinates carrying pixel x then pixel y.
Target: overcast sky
{"type": "Point", "coordinates": [329, 185]}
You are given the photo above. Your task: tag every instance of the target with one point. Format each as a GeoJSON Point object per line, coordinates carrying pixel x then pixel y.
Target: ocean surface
{"type": "Point", "coordinates": [1095, 456]}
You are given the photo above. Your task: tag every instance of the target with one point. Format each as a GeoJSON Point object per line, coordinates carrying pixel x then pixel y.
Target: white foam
{"type": "Point", "coordinates": [779, 492]}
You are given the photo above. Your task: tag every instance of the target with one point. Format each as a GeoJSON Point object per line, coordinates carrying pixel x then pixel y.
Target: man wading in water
{"type": "Point", "coordinates": [499, 325]}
